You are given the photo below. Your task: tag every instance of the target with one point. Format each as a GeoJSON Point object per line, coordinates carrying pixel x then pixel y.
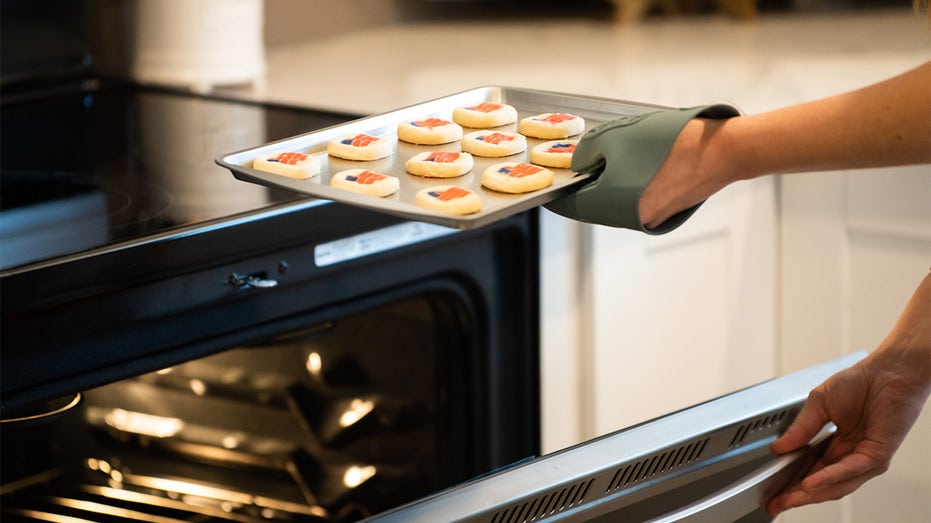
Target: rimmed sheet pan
{"type": "Point", "coordinates": [495, 205]}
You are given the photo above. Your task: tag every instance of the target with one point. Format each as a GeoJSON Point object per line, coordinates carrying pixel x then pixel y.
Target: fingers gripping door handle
{"type": "Point", "coordinates": [752, 491]}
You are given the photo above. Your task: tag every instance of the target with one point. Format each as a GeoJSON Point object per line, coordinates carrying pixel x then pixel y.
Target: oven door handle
{"type": "Point", "coordinates": [251, 280]}
{"type": "Point", "coordinates": [752, 491]}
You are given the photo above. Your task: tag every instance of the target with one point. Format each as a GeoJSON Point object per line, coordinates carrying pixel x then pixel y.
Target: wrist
{"type": "Point", "coordinates": [906, 350]}
{"type": "Point", "coordinates": [732, 145]}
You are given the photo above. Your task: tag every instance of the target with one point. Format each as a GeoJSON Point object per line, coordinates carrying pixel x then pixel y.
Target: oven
{"type": "Point", "coordinates": [314, 360]}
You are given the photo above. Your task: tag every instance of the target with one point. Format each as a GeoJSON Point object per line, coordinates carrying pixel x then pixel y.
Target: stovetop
{"type": "Point", "coordinates": [92, 165]}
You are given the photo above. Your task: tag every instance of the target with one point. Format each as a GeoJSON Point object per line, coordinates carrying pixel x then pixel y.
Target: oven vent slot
{"type": "Point", "coordinates": [546, 505]}
{"type": "Point", "coordinates": [656, 465]}
{"type": "Point", "coordinates": [750, 430]}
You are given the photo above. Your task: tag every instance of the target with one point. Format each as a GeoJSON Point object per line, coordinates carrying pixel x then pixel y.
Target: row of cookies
{"type": "Point", "coordinates": [430, 164]}
{"type": "Point", "coordinates": [505, 177]}
{"type": "Point", "coordinates": [508, 177]}
{"type": "Point", "coordinates": [436, 131]}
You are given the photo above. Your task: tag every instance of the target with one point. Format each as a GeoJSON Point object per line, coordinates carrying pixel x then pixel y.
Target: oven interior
{"type": "Point", "coordinates": [332, 422]}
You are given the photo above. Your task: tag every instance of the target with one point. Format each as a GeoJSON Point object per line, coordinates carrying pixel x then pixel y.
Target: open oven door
{"type": "Point", "coordinates": [707, 463]}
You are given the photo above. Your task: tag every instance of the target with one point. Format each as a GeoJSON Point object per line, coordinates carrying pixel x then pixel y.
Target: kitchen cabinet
{"type": "Point", "coordinates": [855, 245]}
{"type": "Point", "coordinates": [686, 316]}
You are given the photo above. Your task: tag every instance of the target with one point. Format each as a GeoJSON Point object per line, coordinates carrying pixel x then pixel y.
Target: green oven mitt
{"type": "Point", "coordinates": [624, 154]}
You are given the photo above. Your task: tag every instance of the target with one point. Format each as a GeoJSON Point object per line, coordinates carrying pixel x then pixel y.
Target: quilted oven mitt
{"type": "Point", "coordinates": [625, 154]}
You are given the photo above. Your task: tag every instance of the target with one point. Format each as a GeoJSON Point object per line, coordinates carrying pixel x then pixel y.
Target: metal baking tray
{"type": "Point", "coordinates": [495, 205]}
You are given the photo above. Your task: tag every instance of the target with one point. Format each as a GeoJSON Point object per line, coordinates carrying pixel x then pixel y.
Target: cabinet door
{"type": "Point", "coordinates": [855, 245]}
{"type": "Point", "coordinates": [687, 316]}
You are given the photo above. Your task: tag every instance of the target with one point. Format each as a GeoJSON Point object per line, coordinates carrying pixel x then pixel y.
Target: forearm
{"type": "Point", "coordinates": [885, 124]}
{"type": "Point", "coordinates": [906, 350]}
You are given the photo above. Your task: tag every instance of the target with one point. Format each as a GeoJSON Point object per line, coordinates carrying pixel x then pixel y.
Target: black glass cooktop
{"type": "Point", "coordinates": [93, 164]}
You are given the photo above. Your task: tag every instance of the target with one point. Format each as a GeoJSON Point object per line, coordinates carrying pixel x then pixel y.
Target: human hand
{"type": "Point", "coordinates": [873, 404]}
{"type": "Point", "coordinates": [625, 154]}
{"type": "Point", "coordinates": [696, 168]}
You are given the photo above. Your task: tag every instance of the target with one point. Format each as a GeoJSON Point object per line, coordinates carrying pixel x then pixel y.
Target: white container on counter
{"type": "Point", "coordinates": [198, 44]}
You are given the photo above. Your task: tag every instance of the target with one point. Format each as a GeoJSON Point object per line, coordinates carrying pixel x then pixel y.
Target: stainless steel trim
{"type": "Point", "coordinates": [374, 242]}
{"type": "Point", "coordinates": [752, 491]}
{"type": "Point", "coordinates": [181, 232]}
{"type": "Point", "coordinates": [75, 401]}
{"type": "Point", "coordinates": [478, 500]}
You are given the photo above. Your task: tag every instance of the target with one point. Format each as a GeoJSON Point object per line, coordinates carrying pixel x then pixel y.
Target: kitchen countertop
{"type": "Point", "coordinates": [780, 59]}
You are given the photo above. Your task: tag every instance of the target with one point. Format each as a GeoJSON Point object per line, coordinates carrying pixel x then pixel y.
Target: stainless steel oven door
{"type": "Point", "coordinates": [745, 499]}
{"type": "Point", "coordinates": [707, 463]}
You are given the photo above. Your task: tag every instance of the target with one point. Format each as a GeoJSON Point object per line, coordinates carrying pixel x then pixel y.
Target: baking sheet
{"type": "Point", "coordinates": [495, 205]}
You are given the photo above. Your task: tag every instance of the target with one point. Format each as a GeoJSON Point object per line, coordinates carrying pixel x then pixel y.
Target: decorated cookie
{"type": "Point", "coordinates": [359, 146]}
{"type": "Point", "coordinates": [493, 144]}
{"type": "Point", "coordinates": [364, 181]}
{"type": "Point", "coordinates": [549, 126]}
{"type": "Point", "coordinates": [449, 199]}
{"type": "Point", "coordinates": [440, 164]}
{"type": "Point", "coordinates": [292, 165]}
{"type": "Point", "coordinates": [485, 114]}
{"type": "Point", "coordinates": [557, 153]}
{"type": "Point", "coordinates": [514, 177]}
{"type": "Point", "coordinates": [429, 131]}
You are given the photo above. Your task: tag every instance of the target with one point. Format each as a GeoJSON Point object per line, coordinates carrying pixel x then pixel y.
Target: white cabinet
{"type": "Point", "coordinates": [855, 246]}
{"type": "Point", "coordinates": [636, 326]}
{"type": "Point", "coordinates": [685, 317]}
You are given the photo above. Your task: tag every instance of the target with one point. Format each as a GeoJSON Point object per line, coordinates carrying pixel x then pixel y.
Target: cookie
{"type": "Point", "coordinates": [292, 165]}
{"type": "Point", "coordinates": [493, 144]}
{"type": "Point", "coordinates": [514, 177]}
{"type": "Point", "coordinates": [485, 114]}
{"type": "Point", "coordinates": [557, 153]}
{"type": "Point", "coordinates": [549, 126]}
{"type": "Point", "coordinates": [449, 199]}
{"type": "Point", "coordinates": [440, 164]}
{"type": "Point", "coordinates": [429, 131]}
{"type": "Point", "coordinates": [363, 147]}
{"type": "Point", "coordinates": [364, 181]}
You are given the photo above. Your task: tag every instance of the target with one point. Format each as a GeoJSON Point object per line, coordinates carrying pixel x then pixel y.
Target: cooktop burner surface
{"type": "Point", "coordinates": [97, 164]}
